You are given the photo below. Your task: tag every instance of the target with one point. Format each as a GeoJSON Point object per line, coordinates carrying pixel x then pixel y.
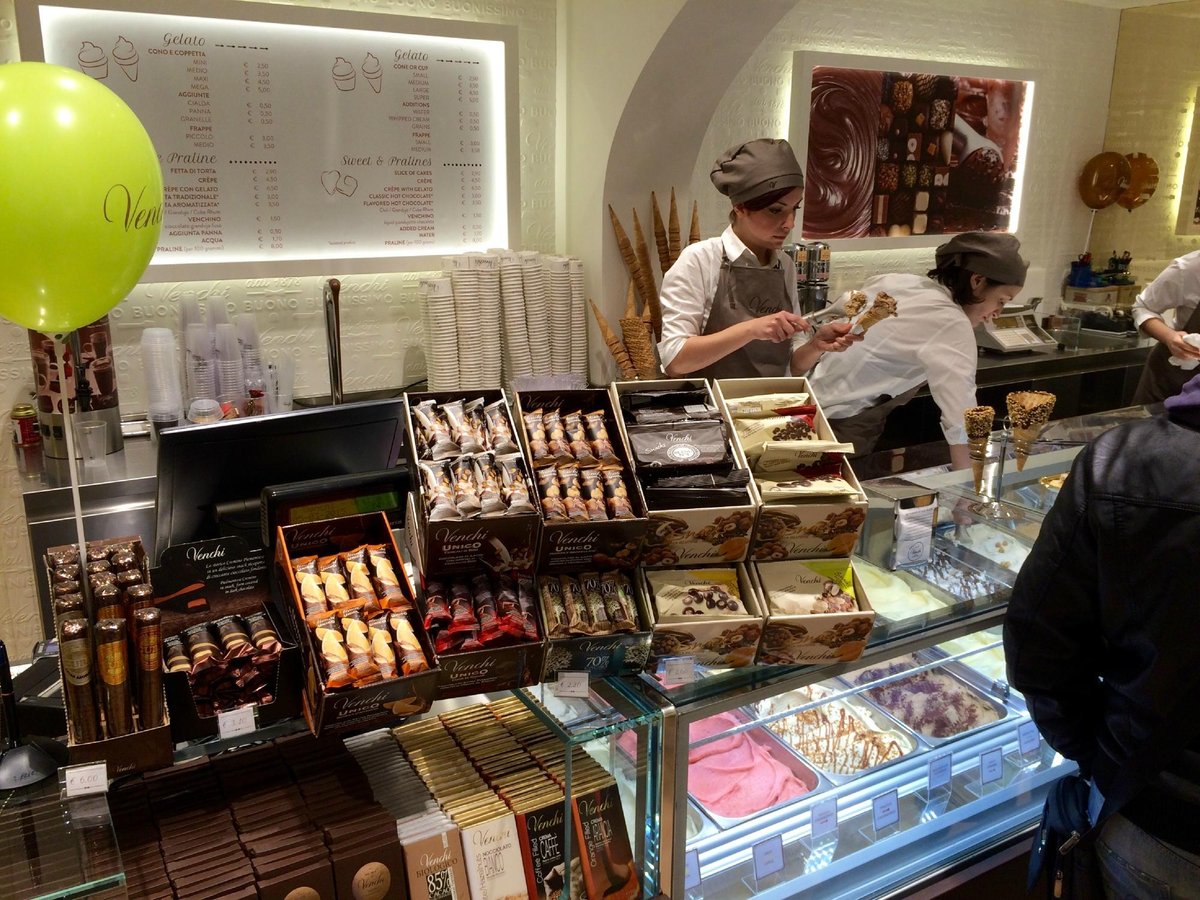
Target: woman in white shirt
{"type": "Point", "coordinates": [1176, 288]}
{"type": "Point", "coordinates": [729, 303]}
{"type": "Point", "coordinates": [931, 339]}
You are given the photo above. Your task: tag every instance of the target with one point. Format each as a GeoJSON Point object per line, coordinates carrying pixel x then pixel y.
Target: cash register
{"type": "Point", "coordinates": [1016, 329]}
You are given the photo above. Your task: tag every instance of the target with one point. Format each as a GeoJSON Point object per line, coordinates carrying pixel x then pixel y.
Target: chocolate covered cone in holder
{"type": "Point", "coordinates": [978, 422]}
{"type": "Point", "coordinates": [1028, 411]}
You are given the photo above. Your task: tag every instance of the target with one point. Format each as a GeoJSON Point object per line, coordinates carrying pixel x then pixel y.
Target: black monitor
{"type": "Point", "coordinates": [211, 477]}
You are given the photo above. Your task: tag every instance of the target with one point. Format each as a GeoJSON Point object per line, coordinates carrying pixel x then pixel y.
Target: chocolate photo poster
{"type": "Point", "coordinates": [905, 154]}
{"type": "Point", "coordinates": [608, 867]}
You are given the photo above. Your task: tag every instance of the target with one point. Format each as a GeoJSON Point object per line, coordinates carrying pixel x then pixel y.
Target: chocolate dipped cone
{"type": "Point", "coordinates": [978, 422]}
{"type": "Point", "coordinates": [1029, 411]}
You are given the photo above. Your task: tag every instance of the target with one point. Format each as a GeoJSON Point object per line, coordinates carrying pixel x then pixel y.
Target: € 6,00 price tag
{"type": "Point", "coordinates": [85, 780]}
{"type": "Point", "coordinates": [236, 722]}
{"type": "Point", "coordinates": [571, 684]}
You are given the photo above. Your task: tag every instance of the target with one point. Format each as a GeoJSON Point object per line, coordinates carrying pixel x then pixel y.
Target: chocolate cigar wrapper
{"type": "Point", "coordinates": [112, 658]}
{"type": "Point", "coordinates": [149, 656]}
{"type": "Point", "coordinates": [75, 647]}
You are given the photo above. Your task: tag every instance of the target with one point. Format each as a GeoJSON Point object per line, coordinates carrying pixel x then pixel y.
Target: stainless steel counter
{"type": "Point", "coordinates": [1096, 353]}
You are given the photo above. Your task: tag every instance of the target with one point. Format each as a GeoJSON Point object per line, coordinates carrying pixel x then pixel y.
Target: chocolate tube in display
{"type": "Point", "coordinates": [108, 602]}
{"type": "Point", "coordinates": [148, 622]}
{"type": "Point", "coordinates": [68, 607]}
{"type": "Point", "coordinates": [112, 658]}
{"type": "Point", "coordinates": [75, 648]}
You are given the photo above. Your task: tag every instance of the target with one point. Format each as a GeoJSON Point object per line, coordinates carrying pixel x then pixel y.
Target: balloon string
{"type": "Point", "coordinates": [68, 433]}
{"type": "Point", "coordinates": [1091, 223]}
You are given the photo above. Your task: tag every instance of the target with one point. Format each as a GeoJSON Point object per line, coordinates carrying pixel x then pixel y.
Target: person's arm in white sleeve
{"type": "Point", "coordinates": [1167, 291]}
{"type": "Point", "coordinates": [950, 366]}
{"type": "Point", "coordinates": [686, 296]}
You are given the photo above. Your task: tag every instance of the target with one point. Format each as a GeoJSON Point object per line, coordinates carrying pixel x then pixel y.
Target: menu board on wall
{"type": "Point", "coordinates": [303, 141]}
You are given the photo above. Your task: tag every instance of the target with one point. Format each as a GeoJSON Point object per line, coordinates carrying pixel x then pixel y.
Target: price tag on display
{"type": "Point", "coordinates": [825, 818]}
{"type": "Point", "coordinates": [991, 766]}
{"type": "Point", "coordinates": [885, 810]}
{"type": "Point", "coordinates": [572, 684]}
{"type": "Point", "coordinates": [691, 870]}
{"type": "Point", "coordinates": [680, 670]}
{"type": "Point", "coordinates": [236, 722]}
{"type": "Point", "coordinates": [85, 780]}
{"type": "Point", "coordinates": [768, 857]}
{"type": "Point", "coordinates": [940, 769]}
{"type": "Point", "coordinates": [1028, 738]}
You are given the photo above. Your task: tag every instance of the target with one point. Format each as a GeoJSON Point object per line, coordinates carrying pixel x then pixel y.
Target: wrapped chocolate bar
{"type": "Point", "coordinates": [463, 620]}
{"type": "Point", "coordinates": [535, 433]}
{"type": "Point", "coordinates": [577, 439]}
{"type": "Point", "coordinates": [572, 497]}
{"type": "Point", "coordinates": [462, 431]}
{"type": "Point", "coordinates": [593, 598]}
{"type": "Point", "coordinates": [437, 607]}
{"type": "Point", "coordinates": [553, 508]}
{"type": "Point", "coordinates": [112, 663]}
{"type": "Point", "coordinates": [79, 687]}
{"type": "Point", "coordinates": [554, 608]}
{"type": "Point", "coordinates": [512, 620]}
{"type": "Point", "coordinates": [108, 602]}
{"type": "Point", "coordinates": [235, 639]}
{"type": "Point", "coordinates": [618, 601]}
{"type": "Point", "coordinates": [597, 433]}
{"type": "Point", "coordinates": [201, 644]}
{"type": "Point", "coordinates": [762, 405]}
{"type": "Point", "coordinates": [358, 647]}
{"type": "Point", "coordinates": [175, 656]}
{"type": "Point", "coordinates": [500, 434]}
{"type": "Point", "coordinates": [439, 491]}
{"type": "Point", "coordinates": [615, 494]}
{"type": "Point", "coordinates": [65, 573]}
{"type": "Point", "coordinates": [591, 489]}
{"type": "Point", "coordinates": [514, 486]}
{"type": "Point", "coordinates": [333, 580]}
{"type": "Point", "coordinates": [63, 556]}
{"type": "Point", "coordinates": [485, 610]}
{"type": "Point", "coordinates": [335, 662]}
{"type": "Point", "coordinates": [382, 653]}
{"type": "Point", "coordinates": [466, 494]}
{"type": "Point", "coordinates": [556, 437]}
{"type": "Point", "coordinates": [412, 657]}
{"type": "Point", "coordinates": [385, 579]}
{"type": "Point", "coordinates": [526, 605]}
{"type": "Point", "coordinates": [435, 431]}
{"type": "Point", "coordinates": [487, 480]}
{"type": "Point", "coordinates": [263, 633]}
{"type": "Point", "coordinates": [312, 593]}
{"type": "Point", "coordinates": [473, 414]}
{"type": "Point", "coordinates": [575, 606]}
{"type": "Point", "coordinates": [361, 588]}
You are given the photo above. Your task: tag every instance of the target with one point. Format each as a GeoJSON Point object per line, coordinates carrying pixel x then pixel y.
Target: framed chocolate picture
{"type": "Point", "coordinates": [901, 152]}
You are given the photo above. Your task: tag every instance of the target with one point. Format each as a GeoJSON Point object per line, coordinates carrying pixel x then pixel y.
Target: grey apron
{"type": "Point", "coordinates": [864, 428]}
{"type": "Point", "coordinates": [744, 293]}
{"type": "Point", "coordinates": [1160, 379]}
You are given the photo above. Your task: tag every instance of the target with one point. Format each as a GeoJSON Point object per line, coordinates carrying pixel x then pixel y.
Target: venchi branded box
{"type": "Point", "coordinates": [573, 545]}
{"type": "Point", "coordinates": [817, 528]}
{"type": "Point", "coordinates": [728, 640]}
{"type": "Point", "coordinates": [461, 545]}
{"type": "Point", "coordinates": [373, 704]}
{"type": "Point", "coordinates": [678, 536]}
{"type": "Point", "coordinates": [601, 654]}
{"type": "Point", "coordinates": [838, 624]}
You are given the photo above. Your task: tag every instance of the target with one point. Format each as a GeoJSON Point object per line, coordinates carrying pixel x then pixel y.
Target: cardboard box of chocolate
{"type": "Point", "coordinates": [817, 611]}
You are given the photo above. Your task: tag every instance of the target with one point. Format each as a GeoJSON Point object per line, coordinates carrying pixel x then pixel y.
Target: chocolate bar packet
{"type": "Point", "coordinates": [385, 579]}
{"type": "Point", "coordinates": [358, 646]}
{"type": "Point", "coordinates": [466, 494]}
{"type": "Point", "coordinates": [412, 657]}
{"type": "Point", "coordinates": [553, 508]}
{"type": "Point", "coordinates": [439, 491]}
{"type": "Point", "coordinates": [577, 611]}
{"type": "Point", "coordinates": [525, 602]}
{"type": "Point", "coordinates": [437, 606]}
{"type": "Point", "coordinates": [513, 484]}
{"type": "Point", "coordinates": [577, 439]}
{"type": "Point", "coordinates": [554, 608]}
{"type": "Point", "coordinates": [382, 654]}
{"type": "Point", "coordinates": [500, 434]}
{"type": "Point", "coordinates": [234, 636]}
{"type": "Point", "coordinates": [615, 494]}
{"type": "Point", "coordinates": [355, 562]}
{"type": "Point", "coordinates": [591, 489]}
{"type": "Point", "coordinates": [597, 432]}
{"type": "Point", "coordinates": [201, 644]}
{"type": "Point", "coordinates": [512, 620]}
{"type": "Point", "coordinates": [487, 480]}
{"type": "Point", "coordinates": [572, 496]}
{"type": "Point", "coordinates": [535, 433]}
{"type": "Point", "coordinates": [436, 432]}
{"type": "Point", "coordinates": [461, 431]}
{"type": "Point", "coordinates": [473, 414]}
{"type": "Point", "coordinates": [485, 610]}
{"type": "Point", "coordinates": [462, 609]}
{"type": "Point", "coordinates": [333, 579]}
{"type": "Point", "coordinates": [556, 436]}
{"type": "Point", "coordinates": [593, 598]}
{"type": "Point", "coordinates": [263, 633]}
{"type": "Point", "coordinates": [618, 601]}
{"type": "Point", "coordinates": [334, 659]}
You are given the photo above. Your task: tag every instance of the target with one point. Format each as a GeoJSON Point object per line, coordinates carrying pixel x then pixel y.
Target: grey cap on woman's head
{"type": "Point", "coordinates": [758, 167]}
{"type": "Point", "coordinates": [992, 254]}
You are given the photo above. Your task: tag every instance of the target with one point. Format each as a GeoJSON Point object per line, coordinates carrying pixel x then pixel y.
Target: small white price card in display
{"type": "Point", "coordinates": [691, 870]}
{"type": "Point", "coordinates": [991, 766]}
{"type": "Point", "coordinates": [768, 857]}
{"type": "Point", "coordinates": [885, 810]}
{"type": "Point", "coordinates": [236, 722]}
{"type": "Point", "coordinates": [85, 780]}
{"type": "Point", "coordinates": [825, 818]}
{"type": "Point", "coordinates": [571, 684]}
{"type": "Point", "coordinates": [1028, 738]}
{"type": "Point", "coordinates": [680, 670]}
{"type": "Point", "coordinates": [939, 771]}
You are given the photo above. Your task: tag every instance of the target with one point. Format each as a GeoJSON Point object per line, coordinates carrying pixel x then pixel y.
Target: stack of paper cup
{"type": "Point", "coordinates": [517, 358]}
{"type": "Point", "coordinates": [559, 268]}
{"type": "Point", "coordinates": [441, 334]}
{"type": "Point", "coordinates": [231, 382]}
{"type": "Point", "coordinates": [579, 329]}
{"type": "Point", "coordinates": [160, 363]}
{"type": "Point", "coordinates": [487, 272]}
{"type": "Point", "coordinates": [537, 320]}
{"type": "Point", "coordinates": [464, 282]}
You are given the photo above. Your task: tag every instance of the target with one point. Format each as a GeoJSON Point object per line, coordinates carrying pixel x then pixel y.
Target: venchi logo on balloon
{"type": "Point", "coordinates": [121, 207]}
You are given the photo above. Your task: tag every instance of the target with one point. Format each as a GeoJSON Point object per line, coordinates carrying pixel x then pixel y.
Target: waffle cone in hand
{"type": "Point", "coordinates": [882, 307]}
{"type": "Point", "coordinates": [1029, 411]}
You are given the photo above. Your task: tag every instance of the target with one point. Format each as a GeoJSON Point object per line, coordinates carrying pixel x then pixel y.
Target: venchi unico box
{"type": "Point", "coordinates": [691, 535]}
{"type": "Point", "coordinates": [572, 545]}
{"type": "Point", "coordinates": [354, 707]}
{"type": "Point", "coordinates": [817, 528]}
{"type": "Point", "coordinates": [462, 545]}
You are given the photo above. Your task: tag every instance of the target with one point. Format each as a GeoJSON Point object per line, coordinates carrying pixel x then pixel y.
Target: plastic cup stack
{"type": "Point", "coordinates": [579, 329]}
{"type": "Point", "coordinates": [441, 334]}
{"type": "Point", "coordinates": [281, 380]}
{"type": "Point", "coordinates": [231, 382]}
{"type": "Point", "coordinates": [252, 365]}
{"type": "Point", "coordinates": [537, 320]}
{"type": "Point", "coordinates": [199, 370]}
{"type": "Point", "coordinates": [160, 363]}
{"type": "Point", "coordinates": [218, 314]}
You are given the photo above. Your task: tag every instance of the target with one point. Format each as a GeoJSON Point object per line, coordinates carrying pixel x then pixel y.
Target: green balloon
{"type": "Point", "coordinates": [81, 195]}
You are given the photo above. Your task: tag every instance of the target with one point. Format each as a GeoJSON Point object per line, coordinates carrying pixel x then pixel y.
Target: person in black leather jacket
{"type": "Point", "coordinates": [1104, 630]}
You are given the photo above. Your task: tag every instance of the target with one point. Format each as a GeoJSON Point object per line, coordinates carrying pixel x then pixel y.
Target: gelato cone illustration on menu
{"type": "Point", "coordinates": [93, 61]}
{"type": "Point", "coordinates": [343, 74]}
{"type": "Point", "coordinates": [978, 421]}
{"type": "Point", "coordinates": [1029, 411]}
{"type": "Point", "coordinates": [125, 55]}
{"type": "Point", "coordinates": [882, 307]}
{"type": "Point", "coordinates": [373, 72]}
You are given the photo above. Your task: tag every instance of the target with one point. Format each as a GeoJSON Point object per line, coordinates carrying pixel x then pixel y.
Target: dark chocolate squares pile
{"type": "Point", "coordinates": [579, 475]}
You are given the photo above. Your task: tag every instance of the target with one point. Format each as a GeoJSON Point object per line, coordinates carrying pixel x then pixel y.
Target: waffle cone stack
{"type": "Point", "coordinates": [1029, 411]}
{"type": "Point", "coordinates": [882, 307]}
{"type": "Point", "coordinates": [639, 346]}
{"type": "Point", "coordinates": [978, 421]}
